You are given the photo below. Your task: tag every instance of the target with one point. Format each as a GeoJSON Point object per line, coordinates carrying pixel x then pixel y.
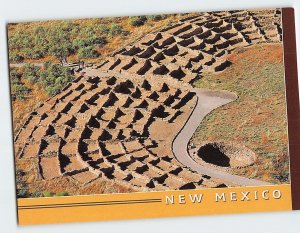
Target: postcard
{"type": "Point", "coordinates": [155, 116]}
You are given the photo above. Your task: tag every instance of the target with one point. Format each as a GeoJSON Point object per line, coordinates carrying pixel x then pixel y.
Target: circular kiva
{"type": "Point", "coordinates": [226, 154]}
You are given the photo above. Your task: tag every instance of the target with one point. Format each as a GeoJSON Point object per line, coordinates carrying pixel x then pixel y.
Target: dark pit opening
{"type": "Point", "coordinates": [211, 153]}
{"type": "Point", "coordinates": [190, 185]}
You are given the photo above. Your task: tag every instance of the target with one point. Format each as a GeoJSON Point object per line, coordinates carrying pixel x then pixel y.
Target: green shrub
{"type": "Point", "coordinates": [54, 77]}
{"type": "Point", "coordinates": [15, 57]}
{"type": "Point", "coordinates": [87, 31]}
{"type": "Point", "coordinates": [52, 194]}
{"type": "Point", "coordinates": [156, 17]}
{"type": "Point", "coordinates": [52, 90]}
{"type": "Point", "coordinates": [90, 41]}
{"type": "Point", "coordinates": [21, 193]}
{"type": "Point", "coordinates": [33, 53]}
{"type": "Point", "coordinates": [19, 91]}
{"type": "Point", "coordinates": [137, 20]}
{"type": "Point", "coordinates": [115, 30]}
{"type": "Point", "coordinates": [31, 72]}
{"type": "Point", "coordinates": [103, 29]}
{"type": "Point", "coordinates": [70, 27]}
{"type": "Point", "coordinates": [79, 43]}
{"type": "Point", "coordinates": [15, 76]}
{"type": "Point", "coordinates": [37, 194]}
{"type": "Point", "coordinates": [41, 43]}
{"type": "Point", "coordinates": [87, 52]}
{"type": "Point", "coordinates": [48, 194]}
{"type": "Point", "coordinates": [98, 40]}
{"type": "Point", "coordinates": [61, 194]}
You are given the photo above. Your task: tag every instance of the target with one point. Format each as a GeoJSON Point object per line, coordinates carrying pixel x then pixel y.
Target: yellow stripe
{"type": "Point", "coordinates": [153, 204]}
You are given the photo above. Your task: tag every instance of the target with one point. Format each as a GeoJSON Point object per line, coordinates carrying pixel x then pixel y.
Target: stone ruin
{"type": "Point", "coordinates": [120, 125]}
{"type": "Point", "coordinates": [196, 44]}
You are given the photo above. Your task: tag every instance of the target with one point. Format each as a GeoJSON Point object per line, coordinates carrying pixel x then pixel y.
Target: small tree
{"type": "Point", "coordinates": [115, 30]}
{"type": "Point", "coordinates": [40, 41]}
{"type": "Point", "coordinates": [137, 20]}
{"type": "Point", "coordinates": [15, 76]}
{"type": "Point", "coordinates": [19, 91]}
{"type": "Point", "coordinates": [31, 72]}
{"type": "Point", "coordinates": [20, 40]}
{"type": "Point", "coordinates": [103, 29]}
{"type": "Point", "coordinates": [156, 17]}
{"type": "Point", "coordinates": [33, 53]}
{"type": "Point", "coordinates": [89, 41]}
{"type": "Point", "coordinates": [87, 52]}
{"type": "Point", "coordinates": [54, 77]}
{"type": "Point", "coordinates": [60, 44]}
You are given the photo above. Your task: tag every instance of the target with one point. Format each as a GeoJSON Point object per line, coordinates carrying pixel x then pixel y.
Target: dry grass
{"type": "Point", "coordinates": [21, 108]}
{"type": "Point", "coordinates": [258, 118]}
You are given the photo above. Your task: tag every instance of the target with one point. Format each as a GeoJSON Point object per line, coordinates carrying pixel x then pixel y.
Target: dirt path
{"type": "Point", "coordinates": [208, 100]}
{"type": "Point", "coordinates": [19, 65]}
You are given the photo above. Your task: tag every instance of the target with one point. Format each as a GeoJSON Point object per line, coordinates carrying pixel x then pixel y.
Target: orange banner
{"type": "Point", "coordinates": [154, 204]}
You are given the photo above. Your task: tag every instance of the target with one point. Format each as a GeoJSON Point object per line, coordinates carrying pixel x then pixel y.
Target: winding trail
{"type": "Point", "coordinates": [207, 100]}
